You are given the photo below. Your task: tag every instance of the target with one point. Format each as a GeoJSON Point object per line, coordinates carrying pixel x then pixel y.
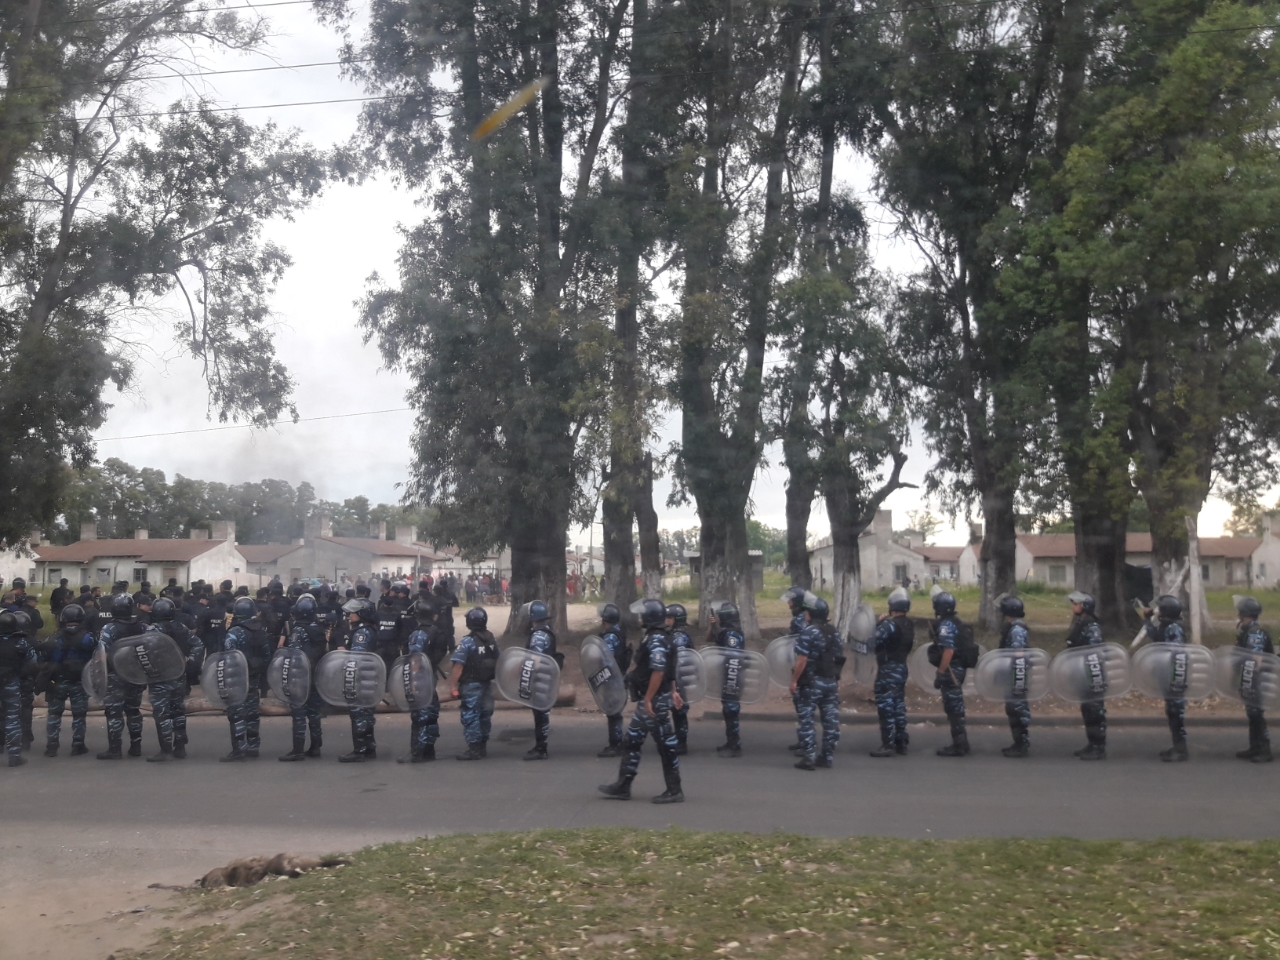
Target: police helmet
{"type": "Point", "coordinates": [305, 608]}
{"type": "Point", "coordinates": [477, 618]}
{"type": "Point", "coordinates": [1169, 607]}
{"type": "Point", "coordinates": [653, 613]}
{"type": "Point", "coordinates": [1011, 606]}
{"type": "Point", "coordinates": [361, 607]}
{"type": "Point", "coordinates": [944, 604]}
{"type": "Point", "coordinates": [72, 613]}
{"type": "Point", "coordinates": [817, 608]}
{"type": "Point", "coordinates": [244, 609]}
{"type": "Point", "coordinates": [362, 590]}
{"type": "Point", "coordinates": [8, 623]}
{"type": "Point", "coordinates": [609, 613]}
{"type": "Point", "coordinates": [795, 598]}
{"type": "Point", "coordinates": [899, 601]}
{"type": "Point", "coordinates": [163, 609]}
{"type": "Point", "coordinates": [1087, 603]}
{"type": "Point", "coordinates": [423, 611]}
{"type": "Point", "coordinates": [19, 583]}
{"type": "Point", "coordinates": [21, 622]}
{"type": "Point", "coordinates": [678, 613]}
{"type": "Point", "coordinates": [273, 589]}
{"type": "Point", "coordinates": [1248, 608]}
{"type": "Point", "coordinates": [728, 615]}
{"type": "Point", "coordinates": [538, 612]}
{"type": "Point", "coordinates": [122, 607]}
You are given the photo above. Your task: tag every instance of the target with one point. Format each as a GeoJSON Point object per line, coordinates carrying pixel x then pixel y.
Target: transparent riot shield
{"type": "Point", "coordinates": [863, 623]}
{"type": "Point", "coordinates": [923, 672]}
{"type": "Point", "coordinates": [411, 682]}
{"type": "Point", "coordinates": [528, 678]}
{"type": "Point", "coordinates": [1090, 674]}
{"type": "Point", "coordinates": [94, 675]}
{"type": "Point", "coordinates": [289, 676]}
{"type": "Point", "coordinates": [1008, 676]}
{"type": "Point", "coordinates": [781, 654]}
{"type": "Point", "coordinates": [149, 657]}
{"type": "Point", "coordinates": [741, 675]}
{"type": "Point", "coordinates": [691, 675]}
{"type": "Point", "coordinates": [600, 670]}
{"type": "Point", "coordinates": [1250, 678]}
{"type": "Point", "coordinates": [225, 678]}
{"type": "Point", "coordinates": [351, 678]}
{"type": "Point", "coordinates": [1174, 671]}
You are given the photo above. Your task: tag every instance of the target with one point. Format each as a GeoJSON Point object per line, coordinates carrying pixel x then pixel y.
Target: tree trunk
{"type": "Point", "coordinates": [846, 561]}
{"type": "Point", "coordinates": [800, 492]}
{"type": "Point", "coordinates": [538, 570]}
{"type": "Point", "coordinates": [619, 549]}
{"type": "Point", "coordinates": [726, 572]}
{"type": "Point", "coordinates": [997, 560]}
{"type": "Point", "coordinates": [1099, 567]}
{"type": "Point", "coordinates": [650, 543]}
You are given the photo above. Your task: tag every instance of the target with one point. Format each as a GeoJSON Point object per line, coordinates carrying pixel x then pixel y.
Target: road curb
{"type": "Point", "coordinates": [994, 719]}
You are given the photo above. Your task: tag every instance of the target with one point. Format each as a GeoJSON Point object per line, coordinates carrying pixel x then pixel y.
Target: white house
{"type": "Point", "coordinates": [206, 555]}
{"type": "Point", "coordinates": [885, 562]}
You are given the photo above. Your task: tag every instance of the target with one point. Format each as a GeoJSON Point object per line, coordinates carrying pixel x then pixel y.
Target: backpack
{"type": "Point", "coordinates": [832, 660]}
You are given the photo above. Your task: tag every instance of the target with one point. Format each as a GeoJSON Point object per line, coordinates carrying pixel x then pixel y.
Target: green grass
{"type": "Point", "coordinates": [628, 893]}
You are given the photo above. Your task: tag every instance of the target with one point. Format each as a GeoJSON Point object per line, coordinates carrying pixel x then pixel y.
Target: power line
{"type": "Point", "coordinates": [143, 16]}
{"type": "Point", "coordinates": [254, 426]}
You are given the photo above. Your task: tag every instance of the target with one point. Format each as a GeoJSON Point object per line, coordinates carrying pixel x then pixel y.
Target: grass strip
{"type": "Point", "coordinates": [677, 894]}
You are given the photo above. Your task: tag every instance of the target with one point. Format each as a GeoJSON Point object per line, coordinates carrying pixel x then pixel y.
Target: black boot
{"type": "Point", "coordinates": [473, 752]}
{"type": "Point", "coordinates": [885, 750]}
{"type": "Point", "coordinates": [111, 753]}
{"type": "Point", "coordinates": [620, 789]}
{"type": "Point", "coordinates": [1020, 748]}
{"type": "Point", "coordinates": [1263, 755]}
{"type": "Point", "coordinates": [824, 763]}
{"type": "Point", "coordinates": [235, 756]}
{"type": "Point", "coordinates": [165, 754]}
{"type": "Point", "coordinates": [51, 750]}
{"type": "Point", "coordinates": [295, 754]}
{"type": "Point", "coordinates": [135, 748]}
{"type": "Point", "coordinates": [1175, 754]}
{"type": "Point", "coordinates": [539, 752]}
{"type": "Point", "coordinates": [483, 746]}
{"type": "Point", "coordinates": [16, 759]}
{"type": "Point", "coordinates": [612, 750]}
{"type": "Point", "coordinates": [1092, 752]}
{"type": "Point", "coordinates": [78, 749]}
{"type": "Point", "coordinates": [1247, 754]}
{"type": "Point", "coordinates": [673, 793]}
{"type": "Point", "coordinates": [731, 749]}
{"type": "Point", "coordinates": [959, 747]}
{"type": "Point", "coordinates": [425, 755]}
{"type": "Point", "coordinates": [314, 750]}
{"type": "Point", "coordinates": [804, 763]}
{"type": "Point", "coordinates": [355, 756]}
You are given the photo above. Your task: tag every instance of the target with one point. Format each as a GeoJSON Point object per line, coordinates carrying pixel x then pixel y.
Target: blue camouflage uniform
{"type": "Point", "coordinates": [363, 718]}
{"type": "Point", "coordinates": [680, 639]}
{"type": "Point", "coordinates": [615, 640]}
{"type": "Point", "coordinates": [122, 704]}
{"type": "Point", "coordinates": [818, 689]}
{"type": "Point", "coordinates": [796, 627]}
{"type": "Point", "coordinates": [892, 644]}
{"type": "Point", "coordinates": [1175, 710]}
{"type": "Point", "coordinates": [168, 697]}
{"type": "Point", "coordinates": [1255, 639]}
{"type": "Point", "coordinates": [65, 656]}
{"type": "Point", "coordinates": [656, 654]}
{"type": "Point", "coordinates": [17, 661]}
{"type": "Point", "coordinates": [250, 637]}
{"type": "Point", "coordinates": [312, 638]}
{"type": "Point", "coordinates": [1015, 636]}
{"type": "Point", "coordinates": [541, 640]}
{"type": "Point", "coordinates": [731, 709]}
{"type": "Point", "coordinates": [475, 684]}
{"type": "Point", "coordinates": [424, 727]}
{"type": "Point", "coordinates": [946, 634]}
{"type": "Point", "coordinates": [25, 603]}
{"type": "Point", "coordinates": [1086, 631]}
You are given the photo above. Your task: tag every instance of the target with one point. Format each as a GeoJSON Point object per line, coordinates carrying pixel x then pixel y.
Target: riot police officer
{"type": "Point", "coordinates": [542, 639]}
{"type": "Point", "coordinates": [123, 701]}
{"type": "Point", "coordinates": [424, 723]}
{"type": "Point", "coordinates": [363, 619]}
{"type": "Point", "coordinates": [614, 635]}
{"type": "Point", "coordinates": [1086, 631]}
{"type": "Point", "coordinates": [815, 682]}
{"type": "Point", "coordinates": [1255, 639]}
{"type": "Point", "coordinates": [168, 698]}
{"type": "Point", "coordinates": [678, 627]}
{"type": "Point", "coordinates": [1015, 636]}
{"type": "Point", "coordinates": [1168, 629]}
{"type": "Point", "coordinates": [249, 635]}
{"type": "Point", "coordinates": [653, 685]}
{"type": "Point", "coordinates": [393, 626]}
{"type": "Point", "coordinates": [726, 631]}
{"type": "Point", "coordinates": [892, 642]}
{"type": "Point", "coordinates": [309, 635]}
{"type": "Point", "coordinates": [25, 603]}
{"type": "Point", "coordinates": [475, 660]}
{"type": "Point", "coordinates": [17, 660]}
{"type": "Point", "coordinates": [952, 653]}
{"type": "Point", "coordinates": [794, 598]}
{"type": "Point", "coordinates": [69, 650]}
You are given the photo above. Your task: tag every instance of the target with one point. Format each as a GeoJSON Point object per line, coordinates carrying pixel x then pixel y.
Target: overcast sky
{"type": "Point", "coordinates": [336, 244]}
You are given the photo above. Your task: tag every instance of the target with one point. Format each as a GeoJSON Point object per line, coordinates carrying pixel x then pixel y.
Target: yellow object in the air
{"type": "Point", "coordinates": [509, 109]}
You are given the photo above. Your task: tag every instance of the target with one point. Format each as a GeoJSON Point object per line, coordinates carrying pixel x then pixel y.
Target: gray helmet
{"type": "Point", "coordinates": [816, 607]}
{"type": "Point", "coordinates": [1248, 607]}
{"type": "Point", "coordinates": [361, 607]}
{"type": "Point", "coordinates": [728, 615]}
{"type": "Point", "coordinates": [244, 609]}
{"type": "Point", "coordinates": [163, 610]}
{"type": "Point", "coordinates": [1011, 606]}
{"type": "Point", "coordinates": [899, 601]}
{"type": "Point", "coordinates": [794, 597]}
{"type": "Point", "coordinates": [72, 613]}
{"type": "Point", "coordinates": [477, 618]}
{"type": "Point", "coordinates": [653, 613]}
{"type": "Point", "coordinates": [609, 613]}
{"type": "Point", "coordinates": [1085, 601]}
{"type": "Point", "coordinates": [944, 604]}
{"type": "Point", "coordinates": [678, 613]}
{"type": "Point", "coordinates": [1169, 607]}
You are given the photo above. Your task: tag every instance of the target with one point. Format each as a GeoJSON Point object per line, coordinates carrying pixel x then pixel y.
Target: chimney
{"type": "Point", "coordinates": [222, 530]}
{"type": "Point", "coordinates": [406, 535]}
{"type": "Point", "coordinates": [884, 522]}
{"type": "Point", "coordinates": [1266, 526]}
{"type": "Point", "coordinates": [35, 538]}
{"type": "Point", "coordinates": [89, 531]}
{"type": "Point", "coordinates": [299, 541]}
{"type": "Point", "coordinates": [197, 534]}
{"type": "Point", "coordinates": [140, 534]}
{"type": "Point", "coordinates": [317, 526]}
{"type": "Point", "coordinates": [378, 530]}
{"type": "Point", "coordinates": [975, 533]}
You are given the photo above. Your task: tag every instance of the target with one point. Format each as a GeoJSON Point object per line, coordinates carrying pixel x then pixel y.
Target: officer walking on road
{"type": "Point", "coordinates": [726, 631]}
{"type": "Point", "coordinates": [1167, 629]}
{"type": "Point", "coordinates": [892, 642]}
{"type": "Point", "coordinates": [70, 648]}
{"type": "Point", "coordinates": [952, 659]}
{"type": "Point", "coordinates": [475, 661]}
{"type": "Point", "coordinates": [249, 635]}
{"type": "Point", "coordinates": [168, 698]}
{"type": "Point", "coordinates": [123, 702]}
{"type": "Point", "coordinates": [363, 619]}
{"type": "Point", "coordinates": [424, 723]}
{"type": "Point", "coordinates": [307, 634]}
{"type": "Point", "coordinates": [1086, 631]}
{"type": "Point", "coordinates": [795, 604]}
{"type": "Point", "coordinates": [652, 684]}
{"type": "Point", "coordinates": [23, 602]}
{"type": "Point", "coordinates": [678, 627]}
{"type": "Point", "coordinates": [815, 683]}
{"type": "Point", "coordinates": [542, 639]}
{"type": "Point", "coordinates": [1255, 639]}
{"type": "Point", "coordinates": [1015, 636]}
{"type": "Point", "coordinates": [614, 636]}
{"type": "Point", "coordinates": [17, 660]}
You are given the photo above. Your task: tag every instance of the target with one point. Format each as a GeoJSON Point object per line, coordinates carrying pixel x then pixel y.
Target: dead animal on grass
{"type": "Point", "coordinates": [251, 870]}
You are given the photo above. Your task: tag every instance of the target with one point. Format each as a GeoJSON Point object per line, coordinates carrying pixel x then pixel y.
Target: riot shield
{"type": "Point", "coordinates": [691, 675]}
{"type": "Point", "coordinates": [1010, 675]}
{"type": "Point", "coordinates": [289, 676]}
{"type": "Point", "coordinates": [94, 675]}
{"type": "Point", "coordinates": [1174, 671]}
{"type": "Point", "coordinates": [863, 623]}
{"type": "Point", "coordinates": [781, 654]}
{"type": "Point", "coordinates": [528, 678]}
{"type": "Point", "coordinates": [600, 669]}
{"type": "Point", "coordinates": [225, 678]}
{"type": "Point", "coordinates": [149, 657]}
{"type": "Point", "coordinates": [864, 662]}
{"type": "Point", "coordinates": [411, 682]}
{"type": "Point", "coordinates": [351, 678]}
{"type": "Point", "coordinates": [1251, 678]}
{"type": "Point", "coordinates": [732, 674]}
{"type": "Point", "coordinates": [1090, 674]}
{"type": "Point", "coordinates": [923, 672]}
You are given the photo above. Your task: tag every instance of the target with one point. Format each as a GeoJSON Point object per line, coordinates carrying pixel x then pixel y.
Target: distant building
{"type": "Point", "coordinates": [885, 561]}
{"type": "Point", "coordinates": [209, 555]}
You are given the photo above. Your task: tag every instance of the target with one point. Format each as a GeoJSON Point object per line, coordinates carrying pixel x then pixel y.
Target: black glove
{"type": "Point", "coordinates": [943, 681]}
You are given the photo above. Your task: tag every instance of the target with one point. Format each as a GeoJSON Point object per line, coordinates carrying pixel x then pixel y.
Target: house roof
{"type": "Point", "coordinates": [144, 551]}
{"type": "Point", "coordinates": [386, 548]}
{"type": "Point", "coordinates": [1064, 545]}
{"type": "Point", "coordinates": [266, 552]}
{"type": "Point", "coordinates": [939, 554]}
